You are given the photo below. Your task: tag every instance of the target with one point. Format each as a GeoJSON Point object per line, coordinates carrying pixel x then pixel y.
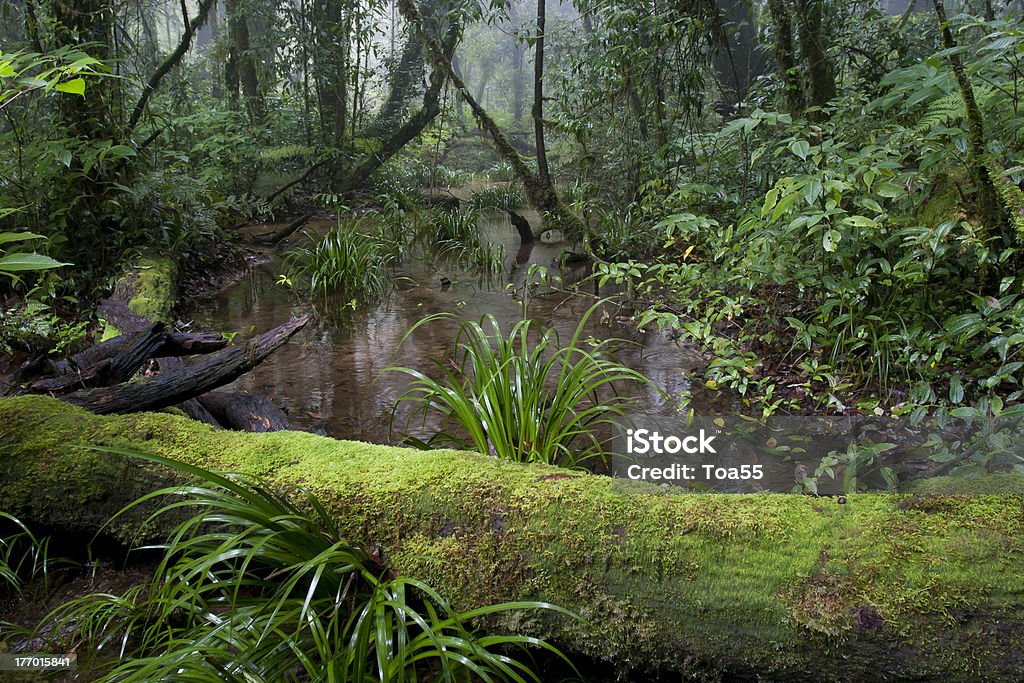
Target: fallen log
{"type": "Point", "coordinates": [188, 381]}
{"type": "Point", "coordinates": [708, 586]}
{"type": "Point", "coordinates": [118, 359]}
{"type": "Point", "coordinates": [174, 344]}
{"type": "Point", "coordinates": [284, 233]}
{"type": "Point", "coordinates": [118, 367]}
{"type": "Point", "coordinates": [244, 411]}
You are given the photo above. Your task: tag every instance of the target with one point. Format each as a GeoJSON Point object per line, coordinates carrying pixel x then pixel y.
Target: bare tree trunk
{"type": "Point", "coordinates": [543, 171]}
{"type": "Point", "coordinates": [517, 81]}
{"type": "Point", "coordinates": [241, 66]}
{"type": "Point", "coordinates": [331, 72]}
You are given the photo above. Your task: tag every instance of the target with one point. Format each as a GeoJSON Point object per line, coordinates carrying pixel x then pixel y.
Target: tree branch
{"type": "Point", "coordinates": [172, 60]}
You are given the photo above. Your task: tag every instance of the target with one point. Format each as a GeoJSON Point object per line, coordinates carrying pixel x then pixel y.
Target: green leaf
{"type": "Point", "coordinates": [889, 190]}
{"type": "Point", "coordinates": [76, 86]}
{"type": "Point", "coordinates": [859, 221]}
{"type": "Point", "coordinates": [801, 148]}
{"type": "Point", "coordinates": [18, 262]}
{"type": "Point", "coordinates": [956, 390]}
{"type": "Point", "coordinates": [830, 239]}
{"type": "Point", "coordinates": [6, 237]}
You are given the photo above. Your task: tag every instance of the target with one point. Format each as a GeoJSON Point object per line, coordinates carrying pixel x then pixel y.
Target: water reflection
{"type": "Point", "coordinates": [330, 378]}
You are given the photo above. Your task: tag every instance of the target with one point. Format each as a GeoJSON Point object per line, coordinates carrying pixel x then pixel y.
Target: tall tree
{"type": "Point", "coordinates": [332, 66]}
{"type": "Point", "coordinates": [544, 173]}
{"type": "Point", "coordinates": [240, 70]}
{"type": "Point", "coordinates": [785, 55]}
{"type": "Point", "coordinates": [821, 80]}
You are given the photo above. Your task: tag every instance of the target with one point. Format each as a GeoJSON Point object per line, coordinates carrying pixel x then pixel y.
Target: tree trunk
{"type": "Point", "coordinates": [403, 85]}
{"type": "Point", "coordinates": [331, 72]}
{"type": "Point", "coordinates": [244, 412]}
{"type": "Point", "coordinates": [785, 59]}
{"type": "Point", "coordinates": [670, 587]}
{"type": "Point", "coordinates": [988, 206]}
{"type": "Point", "coordinates": [241, 68]}
{"type": "Point", "coordinates": [517, 81]}
{"type": "Point", "coordinates": [821, 77]}
{"type": "Point", "coordinates": [189, 30]}
{"type": "Point", "coordinates": [411, 128]}
{"type": "Point", "coordinates": [543, 172]}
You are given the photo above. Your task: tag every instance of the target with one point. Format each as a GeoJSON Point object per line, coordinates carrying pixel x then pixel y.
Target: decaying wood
{"type": "Point", "coordinates": [118, 359]}
{"type": "Point", "coordinates": [170, 387]}
{"type": "Point", "coordinates": [129, 358]}
{"type": "Point", "coordinates": [244, 411]}
{"type": "Point", "coordinates": [284, 233]}
{"type": "Point", "coordinates": [198, 412]}
{"type": "Point", "coordinates": [174, 344]}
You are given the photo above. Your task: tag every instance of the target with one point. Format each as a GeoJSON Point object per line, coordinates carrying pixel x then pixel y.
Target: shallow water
{"type": "Point", "coordinates": [331, 377]}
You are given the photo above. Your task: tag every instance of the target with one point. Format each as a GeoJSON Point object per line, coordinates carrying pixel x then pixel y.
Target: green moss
{"type": "Point", "coordinates": [155, 288]}
{"type": "Point", "coordinates": [790, 587]}
{"type": "Point", "coordinates": [150, 288]}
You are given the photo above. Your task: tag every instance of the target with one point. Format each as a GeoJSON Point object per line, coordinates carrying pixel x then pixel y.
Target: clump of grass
{"type": "Point", "coordinates": [485, 258]}
{"type": "Point", "coordinates": [449, 177]}
{"type": "Point", "coordinates": [24, 557]}
{"type": "Point", "coordinates": [502, 395]}
{"type": "Point", "coordinates": [346, 260]}
{"type": "Point", "coordinates": [500, 171]}
{"type": "Point", "coordinates": [509, 197]}
{"type": "Point", "coordinates": [254, 587]}
{"type": "Point", "coordinates": [453, 225]}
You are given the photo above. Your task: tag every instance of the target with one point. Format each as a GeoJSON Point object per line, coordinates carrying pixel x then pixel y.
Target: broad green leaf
{"type": "Point", "coordinates": [829, 239]}
{"type": "Point", "coordinates": [859, 221]}
{"type": "Point", "coordinates": [956, 390]}
{"type": "Point", "coordinates": [19, 262]}
{"type": "Point", "coordinates": [6, 237]}
{"type": "Point", "coordinates": [76, 86]}
{"type": "Point", "coordinates": [801, 148]}
{"type": "Point", "coordinates": [889, 190]}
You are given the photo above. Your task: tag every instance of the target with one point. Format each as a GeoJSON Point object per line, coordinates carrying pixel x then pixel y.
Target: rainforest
{"type": "Point", "coordinates": [502, 340]}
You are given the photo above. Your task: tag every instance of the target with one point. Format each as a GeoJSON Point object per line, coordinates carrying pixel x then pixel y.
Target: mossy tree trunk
{"type": "Point", "coordinates": [766, 587]}
{"type": "Point", "coordinates": [543, 172]}
{"type": "Point", "coordinates": [785, 55]}
{"type": "Point", "coordinates": [987, 201]}
{"type": "Point", "coordinates": [821, 81]}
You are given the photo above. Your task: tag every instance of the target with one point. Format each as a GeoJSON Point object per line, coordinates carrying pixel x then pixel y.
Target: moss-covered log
{"type": "Point", "coordinates": [784, 587]}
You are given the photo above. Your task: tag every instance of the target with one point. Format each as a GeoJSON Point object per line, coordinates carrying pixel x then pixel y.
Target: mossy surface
{"type": "Point", "coordinates": [149, 288]}
{"type": "Point", "coordinates": [784, 587]}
